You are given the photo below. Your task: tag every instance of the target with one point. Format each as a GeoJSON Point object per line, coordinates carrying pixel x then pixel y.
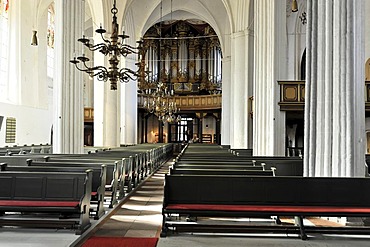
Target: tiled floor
{"type": "Point", "coordinates": [140, 216]}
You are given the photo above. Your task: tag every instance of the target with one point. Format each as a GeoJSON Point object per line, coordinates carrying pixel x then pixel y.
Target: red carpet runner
{"type": "Point", "coordinates": [120, 242]}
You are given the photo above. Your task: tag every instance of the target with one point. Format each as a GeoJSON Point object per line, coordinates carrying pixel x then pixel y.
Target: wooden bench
{"type": "Point", "coordinates": [98, 180]}
{"type": "Point", "coordinates": [209, 171]}
{"type": "Point", "coordinates": [224, 165]}
{"type": "Point", "coordinates": [133, 171]}
{"type": "Point", "coordinates": [66, 196]}
{"type": "Point", "coordinates": [111, 180]}
{"type": "Point", "coordinates": [243, 196]}
{"type": "Point", "coordinates": [285, 166]}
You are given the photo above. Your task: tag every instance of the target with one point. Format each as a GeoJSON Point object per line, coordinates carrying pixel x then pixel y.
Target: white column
{"type": "Point", "coordinates": [68, 87]}
{"type": "Point", "coordinates": [241, 81]}
{"type": "Point", "coordinates": [99, 99]}
{"type": "Point", "coordinates": [270, 66]}
{"type": "Point", "coordinates": [111, 116]}
{"type": "Point", "coordinates": [334, 107]}
{"type": "Point", "coordinates": [106, 107]}
{"type": "Point", "coordinates": [226, 99]}
{"type": "Point", "coordinates": [129, 108]}
{"type": "Point", "coordinates": [13, 91]}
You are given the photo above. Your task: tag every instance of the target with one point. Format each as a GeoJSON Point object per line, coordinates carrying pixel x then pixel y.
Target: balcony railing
{"type": "Point", "coordinates": [88, 114]}
{"type": "Point", "coordinates": [292, 95]}
{"type": "Point", "coordinates": [367, 95]}
{"type": "Point", "coordinates": [185, 103]}
{"type": "Point", "coordinates": [191, 102]}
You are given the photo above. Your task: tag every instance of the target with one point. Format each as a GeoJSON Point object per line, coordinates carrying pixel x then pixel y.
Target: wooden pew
{"type": "Point", "coordinates": [112, 175]}
{"type": "Point", "coordinates": [41, 194]}
{"type": "Point", "coordinates": [242, 152]}
{"type": "Point", "coordinates": [98, 180]}
{"type": "Point", "coordinates": [219, 166]}
{"type": "Point", "coordinates": [133, 171]}
{"type": "Point", "coordinates": [285, 166]}
{"type": "Point", "coordinates": [226, 172]}
{"type": "Point", "coordinates": [21, 160]}
{"type": "Point", "coordinates": [243, 196]}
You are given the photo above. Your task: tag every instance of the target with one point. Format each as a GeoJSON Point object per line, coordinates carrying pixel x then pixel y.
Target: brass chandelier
{"type": "Point", "coordinates": [160, 97]}
{"type": "Point", "coordinates": [161, 103]}
{"type": "Point", "coordinates": [114, 48]}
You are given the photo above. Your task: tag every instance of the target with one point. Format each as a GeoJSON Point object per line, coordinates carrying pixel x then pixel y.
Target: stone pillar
{"type": "Point", "coordinates": [106, 107]}
{"type": "Point", "coordinates": [241, 79]}
{"type": "Point", "coordinates": [226, 99]}
{"type": "Point", "coordinates": [129, 108]}
{"type": "Point", "coordinates": [68, 84]}
{"type": "Point", "coordinates": [99, 89]}
{"type": "Point", "coordinates": [270, 65]}
{"type": "Point", "coordinates": [106, 115]}
{"type": "Point", "coordinates": [334, 108]}
{"type": "Point", "coordinates": [112, 103]}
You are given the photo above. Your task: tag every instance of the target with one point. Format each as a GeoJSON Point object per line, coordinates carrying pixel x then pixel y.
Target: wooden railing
{"type": "Point", "coordinates": [367, 95]}
{"type": "Point", "coordinates": [191, 102]}
{"type": "Point", "coordinates": [185, 103]}
{"type": "Point", "coordinates": [88, 114]}
{"type": "Point", "coordinates": [292, 95]}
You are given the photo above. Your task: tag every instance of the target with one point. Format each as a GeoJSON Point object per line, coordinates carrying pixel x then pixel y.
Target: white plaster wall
{"type": "Point", "coordinates": [296, 32]}
{"type": "Point", "coordinates": [27, 71]}
{"type": "Point", "coordinates": [33, 125]}
{"type": "Point", "coordinates": [209, 126]}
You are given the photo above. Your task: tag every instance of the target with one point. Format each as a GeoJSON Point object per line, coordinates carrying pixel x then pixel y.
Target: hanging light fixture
{"type": "Point", "coordinates": [294, 6]}
{"type": "Point", "coordinates": [162, 105]}
{"type": "Point", "coordinates": [114, 48]}
{"type": "Point", "coordinates": [160, 97]}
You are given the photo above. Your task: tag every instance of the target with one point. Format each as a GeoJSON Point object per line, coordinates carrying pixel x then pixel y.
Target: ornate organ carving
{"type": "Point", "coordinates": [184, 55]}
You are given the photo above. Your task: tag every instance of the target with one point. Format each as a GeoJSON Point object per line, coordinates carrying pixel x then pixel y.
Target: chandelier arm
{"type": "Point", "coordinates": [99, 68]}
{"type": "Point", "coordinates": [81, 69]}
{"type": "Point", "coordinates": [97, 47]}
{"type": "Point", "coordinates": [101, 75]}
{"type": "Point", "coordinates": [127, 70]}
{"type": "Point", "coordinates": [129, 47]}
{"type": "Point", "coordinates": [127, 75]}
{"type": "Point", "coordinates": [105, 40]}
{"type": "Point", "coordinates": [125, 51]}
{"type": "Point", "coordinates": [90, 69]}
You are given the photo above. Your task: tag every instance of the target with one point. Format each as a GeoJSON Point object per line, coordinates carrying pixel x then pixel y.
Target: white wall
{"type": "Point", "coordinates": [209, 126]}
{"type": "Point", "coordinates": [33, 126]}
{"type": "Point", "coordinates": [296, 41]}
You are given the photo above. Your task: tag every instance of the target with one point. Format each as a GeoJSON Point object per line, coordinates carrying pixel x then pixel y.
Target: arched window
{"type": "Point", "coordinates": [4, 42]}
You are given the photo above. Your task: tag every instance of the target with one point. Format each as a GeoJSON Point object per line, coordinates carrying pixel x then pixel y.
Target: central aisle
{"type": "Point", "coordinates": [140, 215]}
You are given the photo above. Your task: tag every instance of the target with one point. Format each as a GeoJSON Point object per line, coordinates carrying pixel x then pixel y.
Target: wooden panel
{"type": "Point", "coordinates": [191, 102]}
{"type": "Point", "coordinates": [367, 95]}
{"type": "Point", "coordinates": [302, 88]}
{"type": "Point", "coordinates": [292, 95]}
{"type": "Point", "coordinates": [88, 114]}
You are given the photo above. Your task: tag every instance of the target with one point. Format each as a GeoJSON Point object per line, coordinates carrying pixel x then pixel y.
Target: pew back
{"type": "Point", "coordinates": [241, 190]}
